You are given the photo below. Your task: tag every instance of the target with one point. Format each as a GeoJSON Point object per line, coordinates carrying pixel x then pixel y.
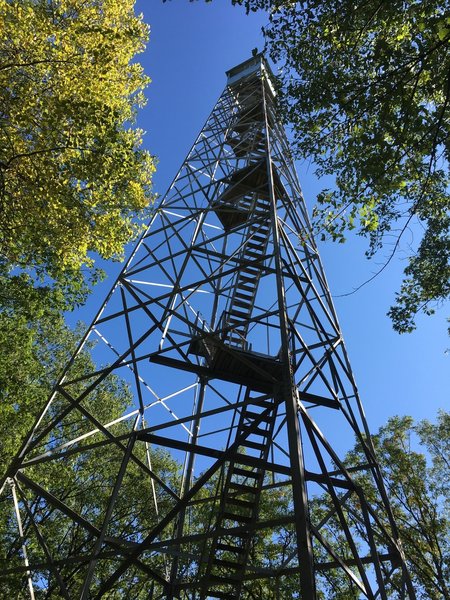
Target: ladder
{"type": "Point", "coordinates": [239, 506]}
{"type": "Point", "coordinates": [236, 319]}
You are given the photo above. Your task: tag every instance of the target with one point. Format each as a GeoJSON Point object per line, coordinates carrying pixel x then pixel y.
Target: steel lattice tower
{"type": "Point", "coordinates": [221, 472]}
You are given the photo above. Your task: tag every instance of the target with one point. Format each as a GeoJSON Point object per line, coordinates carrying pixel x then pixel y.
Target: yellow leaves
{"type": "Point", "coordinates": [137, 194]}
{"type": "Point", "coordinates": [403, 32]}
{"type": "Point", "coordinates": [67, 97]}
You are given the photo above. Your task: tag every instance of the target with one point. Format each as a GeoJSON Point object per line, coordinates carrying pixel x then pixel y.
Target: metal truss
{"type": "Point", "coordinates": [219, 470]}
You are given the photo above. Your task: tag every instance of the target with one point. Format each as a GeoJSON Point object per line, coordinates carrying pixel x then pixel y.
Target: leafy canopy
{"type": "Point", "coordinates": [72, 171]}
{"type": "Point", "coordinates": [415, 460]}
{"type": "Point", "coordinates": [366, 88]}
{"type": "Point", "coordinates": [35, 353]}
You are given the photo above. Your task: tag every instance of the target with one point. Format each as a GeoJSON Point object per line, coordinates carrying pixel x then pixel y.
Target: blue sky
{"type": "Point", "coordinates": [191, 46]}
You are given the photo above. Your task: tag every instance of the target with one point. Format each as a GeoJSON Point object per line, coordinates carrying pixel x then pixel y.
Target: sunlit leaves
{"type": "Point", "coordinates": [73, 173]}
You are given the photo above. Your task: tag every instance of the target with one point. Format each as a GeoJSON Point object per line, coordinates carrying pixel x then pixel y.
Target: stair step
{"type": "Point", "coordinates": [250, 252]}
{"type": "Point", "coordinates": [258, 237]}
{"type": "Point", "coordinates": [239, 502]}
{"type": "Point", "coordinates": [234, 517]}
{"type": "Point", "coordinates": [236, 338]}
{"type": "Point", "coordinates": [222, 595]}
{"type": "Point", "coordinates": [237, 329]}
{"type": "Point", "coordinates": [248, 291]}
{"type": "Point", "coordinates": [244, 473]}
{"type": "Point", "coordinates": [250, 294]}
{"type": "Point", "coordinates": [221, 562]}
{"type": "Point", "coordinates": [243, 303]}
{"type": "Point", "coordinates": [247, 296]}
{"type": "Point", "coordinates": [236, 341]}
{"type": "Point", "coordinates": [230, 548]}
{"type": "Point", "coordinates": [242, 459]}
{"type": "Point", "coordinates": [243, 488]}
{"type": "Point", "coordinates": [239, 313]}
{"type": "Point", "coordinates": [239, 345]}
{"type": "Point", "coordinates": [256, 431]}
{"type": "Point", "coordinates": [258, 233]}
{"type": "Point", "coordinates": [254, 415]}
{"type": "Point", "coordinates": [246, 284]}
{"type": "Point", "coordinates": [249, 274]}
{"type": "Point", "coordinates": [254, 245]}
{"type": "Point", "coordinates": [236, 326]}
{"type": "Point", "coordinates": [232, 320]}
{"type": "Point", "coordinates": [237, 323]}
{"type": "Point", "coordinates": [254, 445]}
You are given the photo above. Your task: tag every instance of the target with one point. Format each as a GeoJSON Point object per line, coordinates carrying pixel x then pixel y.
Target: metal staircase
{"type": "Point", "coordinates": [236, 320]}
{"type": "Point", "coordinates": [239, 507]}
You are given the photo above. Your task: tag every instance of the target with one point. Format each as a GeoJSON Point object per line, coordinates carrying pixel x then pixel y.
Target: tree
{"type": "Point", "coordinates": [417, 485]}
{"type": "Point", "coordinates": [415, 462]}
{"type": "Point", "coordinates": [83, 481]}
{"type": "Point", "coordinates": [414, 459]}
{"type": "Point", "coordinates": [366, 88]}
{"type": "Point", "coordinates": [72, 171]}
{"type": "Point", "coordinates": [73, 179]}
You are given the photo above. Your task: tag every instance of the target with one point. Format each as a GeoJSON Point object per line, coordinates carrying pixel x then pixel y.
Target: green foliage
{"type": "Point", "coordinates": [72, 172]}
{"type": "Point", "coordinates": [74, 182]}
{"type": "Point", "coordinates": [35, 354]}
{"type": "Point", "coordinates": [367, 92]}
{"type": "Point", "coordinates": [417, 486]}
{"type": "Point", "coordinates": [415, 462]}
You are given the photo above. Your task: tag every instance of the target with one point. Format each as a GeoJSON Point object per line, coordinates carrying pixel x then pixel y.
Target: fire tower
{"type": "Point", "coordinates": [201, 438]}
